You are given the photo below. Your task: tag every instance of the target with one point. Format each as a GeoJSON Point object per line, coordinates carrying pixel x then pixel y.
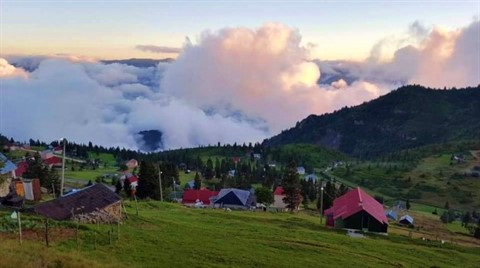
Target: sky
{"type": "Point", "coordinates": [113, 29]}
{"type": "Point", "coordinates": [243, 71]}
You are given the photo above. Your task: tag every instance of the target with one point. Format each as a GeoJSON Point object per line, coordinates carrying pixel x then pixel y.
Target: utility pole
{"type": "Point", "coordinates": [63, 140]}
{"type": "Point", "coordinates": [321, 202]}
{"type": "Point", "coordinates": [160, 183]}
{"type": "Point", "coordinates": [174, 191]}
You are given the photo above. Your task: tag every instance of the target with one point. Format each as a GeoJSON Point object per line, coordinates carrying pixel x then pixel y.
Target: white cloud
{"type": "Point", "coordinates": [232, 85]}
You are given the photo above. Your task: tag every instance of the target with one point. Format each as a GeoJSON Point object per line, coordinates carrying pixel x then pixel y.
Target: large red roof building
{"type": "Point", "coordinates": [357, 210]}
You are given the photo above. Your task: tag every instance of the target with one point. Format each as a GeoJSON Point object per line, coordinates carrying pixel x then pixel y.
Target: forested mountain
{"type": "Point", "coordinates": [408, 117]}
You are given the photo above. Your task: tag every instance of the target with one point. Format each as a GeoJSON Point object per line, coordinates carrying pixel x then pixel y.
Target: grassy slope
{"type": "Point", "coordinates": [167, 235]}
{"type": "Point", "coordinates": [432, 180]}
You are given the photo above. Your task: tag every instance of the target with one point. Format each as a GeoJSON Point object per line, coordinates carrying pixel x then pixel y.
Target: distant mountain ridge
{"type": "Point", "coordinates": [140, 63]}
{"type": "Point", "coordinates": [408, 117]}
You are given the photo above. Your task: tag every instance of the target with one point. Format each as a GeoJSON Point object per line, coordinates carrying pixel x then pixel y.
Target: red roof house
{"type": "Point", "coordinates": [133, 180]}
{"type": "Point", "coordinates": [278, 191]}
{"type": "Point", "coordinates": [21, 168]}
{"type": "Point", "coordinates": [53, 161]}
{"type": "Point", "coordinates": [190, 197]}
{"type": "Point", "coordinates": [357, 210]}
{"type": "Point", "coordinates": [278, 196]}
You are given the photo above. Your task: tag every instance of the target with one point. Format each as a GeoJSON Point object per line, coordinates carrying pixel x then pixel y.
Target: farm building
{"type": "Point", "coordinates": [191, 197]}
{"type": "Point", "coordinates": [235, 198]}
{"type": "Point", "coordinates": [96, 203]}
{"type": "Point", "coordinates": [357, 210]}
{"type": "Point", "coordinates": [406, 219]}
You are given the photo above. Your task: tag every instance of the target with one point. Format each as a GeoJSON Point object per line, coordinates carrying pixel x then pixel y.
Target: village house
{"type": "Point", "coordinates": [58, 150]}
{"type": "Point", "coordinates": [22, 167]}
{"type": "Point", "coordinates": [235, 198]}
{"type": "Point", "coordinates": [131, 164]}
{"type": "Point", "coordinates": [300, 170]}
{"type": "Point", "coordinates": [278, 196]}
{"type": "Point", "coordinates": [46, 154]}
{"type": "Point", "coordinates": [53, 162]}
{"type": "Point", "coordinates": [406, 220]}
{"type": "Point", "coordinates": [96, 203]}
{"type": "Point", "coordinates": [311, 177]}
{"type": "Point", "coordinates": [193, 197]}
{"type": "Point", "coordinates": [189, 185]}
{"type": "Point", "coordinates": [7, 173]}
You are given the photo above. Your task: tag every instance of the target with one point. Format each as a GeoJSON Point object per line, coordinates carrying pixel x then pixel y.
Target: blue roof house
{"type": "Point", "coordinates": [407, 219]}
{"type": "Point", "coordinates": [7, 166]}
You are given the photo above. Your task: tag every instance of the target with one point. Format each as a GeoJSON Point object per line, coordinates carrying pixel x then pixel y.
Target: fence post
{"type": "Point", "coordinates": [19, 227]}
{"type": "Point", "coordinates": [46, 232]}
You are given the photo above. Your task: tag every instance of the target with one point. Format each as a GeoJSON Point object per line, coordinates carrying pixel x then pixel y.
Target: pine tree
{"type": "Point", "coordinates": [52, 179]}
{"type": "Point", "coordinates": [118, 187]}
{"type": "Point", "coordinates": [291, 187]}
{"type": "Point", "coordinates": [209, 171]}
{"type": "Point", "coordinates": [148, 181]}
{"type": "Point", "coordinates": [127, 187]}
{"type": "Point", "coordinates": [197, 182]}
{"type": "Point", "coordinates": [447, 205]}
{"type": "Point", "coordinates": [407, 204]}
{"type": "Point", "coordinates": [466, 219]}
{"type": "Point", "coordinates": [342, 189]}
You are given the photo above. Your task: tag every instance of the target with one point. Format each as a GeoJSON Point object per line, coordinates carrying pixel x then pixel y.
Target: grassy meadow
{"type": "Point", "coordinates": [169, 235]}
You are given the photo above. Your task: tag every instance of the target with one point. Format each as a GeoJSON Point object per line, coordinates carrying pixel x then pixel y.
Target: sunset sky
{"type": "Point", "coordinates": [112, 29]}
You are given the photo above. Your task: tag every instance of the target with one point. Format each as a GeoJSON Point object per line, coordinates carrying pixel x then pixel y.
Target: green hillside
{"type": "Point", "coordinates": [408, 117]}
{"type": "Point", "coordinates": [168, 235]}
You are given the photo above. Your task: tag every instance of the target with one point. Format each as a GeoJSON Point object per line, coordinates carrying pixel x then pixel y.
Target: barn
{"type": "Point", "coordinates": [357, 210]}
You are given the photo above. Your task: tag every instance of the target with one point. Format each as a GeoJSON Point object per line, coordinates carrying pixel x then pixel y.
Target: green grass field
{"type": "Point", "coordinates": [88, 174]}
{"type": "Point", "coordinates": [168, 235]}
{"type": "Point", "coordinates": [104, 157]}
